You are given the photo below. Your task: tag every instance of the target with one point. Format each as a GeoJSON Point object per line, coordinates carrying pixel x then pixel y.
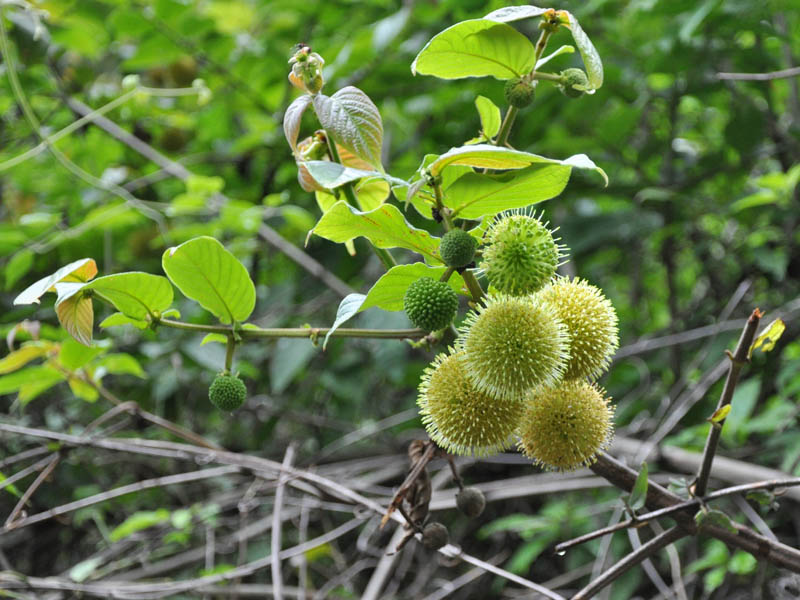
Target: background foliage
{"type": "Point", "coordinates": [698, 225]}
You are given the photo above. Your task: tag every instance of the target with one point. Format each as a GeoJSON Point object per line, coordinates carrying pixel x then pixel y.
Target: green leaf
{"type": "Point", "coordinates": [83, 390]}
{"type": "Point", "coordinates": [348, 307]}
{"type": "Point", "coordinates": [591, 59]}
{"type": "Point", "coordinates": [639, 491]}
{"type": "Point", "coordinates": [136, 295]}
{"type": "Point", "coordinates": [206, 272]}
{"type": "Point", "coordinates": [389, 291]}
{"type": "Point", "coordinates": [713, 516]}
{"type": "Point", "coordinates": [515, 13]}
{"type": "Point", "coordinates": [332, 175]}
{"type": "Point", "coordinates": [769, 337]}
{"type": "Point", "coordinates": [490, 116]}
{"type": "Point", "coordinates": [385, 227]}
{"type": "Point", "coordinates": [742, 563]}
{"type": "Point", "coordinates": [79, 271]}
{"type": "Point", "coordinates": [293, 117]}
{"type": "Point", "coordinates": [474, 195]}
{"type": "Point", "coordinates": [353, 121]}
{"type": "Point", "coordinates": [137, 522]}
{"type": "Point", "coordinates": [214, 338]}
{"type": "Point", "coordinates": [566, 49]}
{"type": "Point", "coordinates": [84, 569]}
{"type": "Point", "coordinates": [74, 355]}
{"type": "Point", "coordinates": [494, 157]}
{"type": "Point", "coordinates": [476, 48]}
{"type": "Point", "coordinates": [119, 364]}
{"type": "Point", "coordinates": [117, 319]}
{"type": "Point", "coordinates": [76, 315]}
{"type": "Point", "coordinates": [19, 358]}
{"type": "Point", "coordinates": [18, 266]}
{"type": "Point", "coordinates": [714, 578]}
{"type": "Point", "coordinates": [39, 374]}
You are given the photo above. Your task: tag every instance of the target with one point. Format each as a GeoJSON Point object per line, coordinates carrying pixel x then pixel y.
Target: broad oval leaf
{"type": "Point", "coordinates": [116, 319]}
{"type": "Point", "coordinates": [135, 295]}
{"type": "Point", "coordinates": [76, 315]}
{"type": "Point", "coordinates": [476, 48]}
{"type": "Point", "coordinates": [515, 13]}
{"type": "Point", "coordinates": [19, 358]}
{"type": "Point", "coordinates": [591, 59]}
{"type": "Point", "coordinates": [474, 195]}
{"type": "Point", "coordinates": [353, 120]}
{"type": "Point", "coordinates": [79, 271]}
{"type": "Point", "coordinates": [206, 272]}
{"type": "Point", "coordinates": [292, 118]}
{"type": "Point", "coordinates": [489, 115]}
{"type": "Point", "coordinates": [385, 227]}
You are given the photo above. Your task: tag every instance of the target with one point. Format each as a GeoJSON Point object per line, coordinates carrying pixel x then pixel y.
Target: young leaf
{"type": "Point", "coordinates": [116, 319]}
{"type": "Point", "coordinates": [639, 492]}
{"type": "Point", "coordinates": [206, 272]}
{"type": "Point", "coordinates": [348, 307]}
{"type": "Point", "coordinates": [39, 373]}
{"type": "Point", "coordinates": [474, 195]}
{"type": "Point", "coordinates": [566, 49]}
{"type": "Point", "coordinates": [135, 294]}
{"type": "Point", "coordinates": [353, 120]}
{"type": "Point", "coordinates": [119, 363]}
{"type": "Point", "coordinates": [138, 521]}
{"type": "Point", "coordinates": [720, 414]}
{"type": "Point", "coordinates": [769, 337]}
{"type": "Point", "coordinates": [332, 175]}
{"type": "Point", "coordinates": [76, 315]}
{"type": "Point", "coordinates": [476, 48]}
{"type": "Point", "coordinates": [716, 517]}
{"type": "Point", "coordinates": [292, 118]}
{"type": "Point", "coordinates": [19, 358]}
{"type": "Point", "coordinates": [385, 227]}
{"type": "Point", "coordinates": [515, 13]}
{"type": "Point", "coordinates": [79, 271]}
{"type": "Point", "coordinates": [489, 115]}
{"type": "Point", "coordinates": [73, 355]}
{"type": "Point", "coordinates": [591, 59]}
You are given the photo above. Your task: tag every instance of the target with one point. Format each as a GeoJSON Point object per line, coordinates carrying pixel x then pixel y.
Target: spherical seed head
{"type": "Point", "coordinates": [457, 248]}
{"type": "Point", "coordinates": [227, 392]}
{"type": "Point", "coordinates": [573, 77]}
{"type": "Point", "coordinates": [521, 255]}
{"type": "Point", "coordinates": [458, 417]}
{"type": "Point", "coordinates": [430, 304]}
{"type": "Point", "coordinates": [471, 501]}
{"type": "Point", "coordinates": [513, 345]}
{"type": "Point", "coordinates": [564, 427]}
{"type": "Point", "coordinates": [591, 322]}
{"type": "Point", "coordinates": [434, 536]}
{"type": "Point", "coordinates": [519, 93]}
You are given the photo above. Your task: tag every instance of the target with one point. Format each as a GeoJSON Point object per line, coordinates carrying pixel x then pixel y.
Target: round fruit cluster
{"type": "Point", "coordinates": [525, 359]}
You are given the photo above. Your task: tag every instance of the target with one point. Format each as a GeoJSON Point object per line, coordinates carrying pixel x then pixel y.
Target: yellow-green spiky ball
{"type": "Point", "coordinates": [591, 321]}
{"type": "Point", "coordinates": [512, 345]}
{"type": "Point", "coordinates": [564, 427]}
{"type": "Point", "coordinates": [460, 418]}
{"type": "Point", "coordinates": [521, 255]}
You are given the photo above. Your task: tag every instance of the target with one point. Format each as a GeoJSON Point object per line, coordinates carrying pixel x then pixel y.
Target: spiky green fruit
{"type": "Point", "coordinates": [227, 392]}
{"type": "Point", "coordinates": [521, 255]}
{"type": "Point", "coordinates": [591, 322]}
{"type": "Point", "coordinates": [471, 502]}
{"type": "Point", "coordinates": [460, 418]}
{"type": "Point", "coordinates": [434, 536]}
{"type": "Point", "coordinates": [457, 248]}
{"type": "Point", "coordinates": [564, 427]}
{"type": "Point", "coordinates": [569, 79]}
{"type": "Point", "coordinates": [430, 304]}
{"type": "Point", "coordinates": [512, 345]}
{"type": "Point", "coordinates": [519, 93]}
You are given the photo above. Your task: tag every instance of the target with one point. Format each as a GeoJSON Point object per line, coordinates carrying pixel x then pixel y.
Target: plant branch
{"type": "Point", "coordinates": [782, 74]}
{"type": "Point", "coordinates": [275, 537]}
{"type": "Point", "coordinates": [738, 359]}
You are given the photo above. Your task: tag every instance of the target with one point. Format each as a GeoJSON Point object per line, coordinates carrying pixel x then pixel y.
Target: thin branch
{"type": "Point", "coordinates": [53, 460]}
{"type": "Point", "coordinates": [738, 359]}
{"type": "Point", "coordinates": [275, 538]}
{"type": "Point", "coordinates": [782, 74]}
{"type": "Point", "coordinates": [631, 560]}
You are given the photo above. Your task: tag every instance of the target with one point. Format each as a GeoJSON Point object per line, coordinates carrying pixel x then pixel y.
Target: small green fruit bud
{"type": "Point", "coordinates": [471, 501]}
{"type": "Point", "coordinates": [458, 417]}
{"type": "Point", "coordinates": [430, 304]}
{"type": "Point", "coordinates": [566, 426]}
{"type": "Point", "coordinates": [434, 536]}
{"type": "Point", "coordinates": [591, 322]}
{"type": "Point", "coordinates": [570, 78]}
{"type": "Point", "coordinates": [457, 248]}
{"type": "Point", "coordinates": [519, 93]}
{"type": "Point", "coordinates": [521, 255]}
{"type": "Point", "coordinates": [513, 345]}
{"type": "Point", "coordinates": [227, 392]}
